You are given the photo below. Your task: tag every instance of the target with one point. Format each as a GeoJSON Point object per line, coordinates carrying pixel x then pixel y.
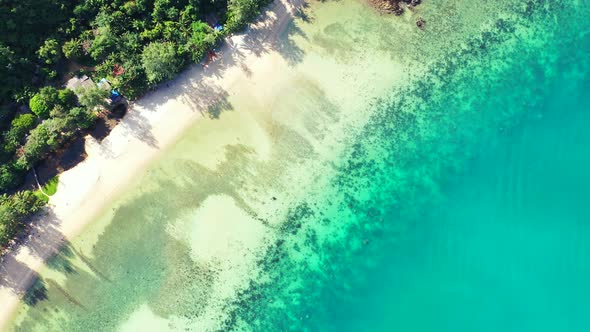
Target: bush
{"type": "Point", "coordinates": [48, 74]}
{"type": "Point", "coordinates": [59, 130]}
{"type": "Point", "coordinates": [103, 44]}
{"type": "Point", "coordinates": [133, 81]}
{"type": "Point", "coordinates": [43, 101]}
{"type": "Point", "coordinates": [23, 123]}
{"type": "Point", "coordinates": [24, 94]}
{"type": "Point", "coordinates": [39, 106]}
{"type": "Point", "coordinates": [58, 112]}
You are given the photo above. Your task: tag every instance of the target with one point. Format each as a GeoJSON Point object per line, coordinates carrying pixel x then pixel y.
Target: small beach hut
{"type": "Point", "coordinates": [79, 83]}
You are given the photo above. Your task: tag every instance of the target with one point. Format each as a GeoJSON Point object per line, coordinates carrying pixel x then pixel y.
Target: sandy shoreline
{"type": "Point", "coordinates": [152, 124]}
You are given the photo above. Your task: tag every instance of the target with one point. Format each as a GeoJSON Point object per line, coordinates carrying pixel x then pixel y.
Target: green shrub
{"type": "Point", "coordinates": [103, 44]}
{"type": "Point", "coordinates": [59, 130]}
{"type": "Point", "coordinates": [23, 123]}
{"type": "Point", "coordinates": [43, 101]}
{"type": "Point", "coordinates": [50, 188]}
{"type": "Point", "coordinates": [39, 106]}
{"type": "Point", "coordinates": [58, 112]}
{"type": "Point", "coordinates": [202, 38]}
{"type": "Point", "coordinates": [133, 81]}
{"type": "Point", "coordinates": [49, 74]}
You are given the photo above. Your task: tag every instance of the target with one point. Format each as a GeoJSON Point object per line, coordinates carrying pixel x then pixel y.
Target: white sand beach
{"type": "Point", "coordinates": [152, 124]}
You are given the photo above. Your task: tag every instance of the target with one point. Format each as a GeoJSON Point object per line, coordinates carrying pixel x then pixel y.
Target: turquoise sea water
{"type": "Point", "coordinates": [466, 202]}
{"type": "Point", "coordinates": [460, 205]}
{"type": "Point", "coordinates": [506, 248]}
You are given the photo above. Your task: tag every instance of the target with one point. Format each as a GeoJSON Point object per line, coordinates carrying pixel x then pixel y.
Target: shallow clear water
{"type": "Point", "coordinates": [453, 200]}
{"type": "Point", "coordinates": [464, 211]}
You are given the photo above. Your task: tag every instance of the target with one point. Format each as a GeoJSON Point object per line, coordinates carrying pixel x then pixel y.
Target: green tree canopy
{"type": "Point", "coordinates": [82, 117]}
{"type": "Point", "coordinates": [201, 39]}
{"type": "Point", "coordinates": [49, 52]}
{"type": "Point", "coordinates": [13, 212]}
{"type": "Point", "coordinates": [159, 61]}
{"type": "Point", "coordinates": [10, 176]}
{"type": "Point", "coordinates": [104, 43]}
{"type": "Point", "coordinates": [41, 141]}
{"type": "Point", "coordinates": [20, 127]}
{"type": "Point", "coordinates": [72, 49]}
{"type": "Point", "coordinates": [239, 12]}
{"type": "Point", "coordinates": [67, 98]}
{"type": "Point", "coordinates": [93, 98]}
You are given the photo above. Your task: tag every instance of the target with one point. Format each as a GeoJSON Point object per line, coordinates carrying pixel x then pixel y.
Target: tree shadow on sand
{"type": "Point", "coordinates": [273, 32]}
{"type": "Point", "coordinates": [215, 110]}
{"type": "Point", "coordinates": [276, 34]}
{"type": "Point", "coordinates": [191, 88]}
{"type": "Point", "coordinates": [138, 126]}
{"type": "Point", "coordinates": [12, 275]}
{"type": "Point", "coordinates": [46, 242]}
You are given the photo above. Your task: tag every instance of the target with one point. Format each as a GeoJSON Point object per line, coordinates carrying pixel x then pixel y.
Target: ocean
{"type": "Point", "coordinates": [386, 178]}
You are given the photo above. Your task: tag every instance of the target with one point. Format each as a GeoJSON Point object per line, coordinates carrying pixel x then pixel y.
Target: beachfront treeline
{"type": "Point", "coordinates": [133, 44]}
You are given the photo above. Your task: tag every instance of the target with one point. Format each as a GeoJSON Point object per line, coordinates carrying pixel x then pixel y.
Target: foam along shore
{"type": "Point", "coordinates": [152, 123]}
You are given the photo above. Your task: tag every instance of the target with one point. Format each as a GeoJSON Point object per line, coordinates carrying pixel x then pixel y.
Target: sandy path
{"type": "Point", "coordinates": [153, 123]}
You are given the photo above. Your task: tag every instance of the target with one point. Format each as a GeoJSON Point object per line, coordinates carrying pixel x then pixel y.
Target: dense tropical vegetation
{"type": "Point", "coordinates": [134, 44]}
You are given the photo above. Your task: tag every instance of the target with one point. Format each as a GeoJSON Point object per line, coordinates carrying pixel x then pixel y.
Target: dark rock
{"type": "Point", "coordinates": [420, 23]}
